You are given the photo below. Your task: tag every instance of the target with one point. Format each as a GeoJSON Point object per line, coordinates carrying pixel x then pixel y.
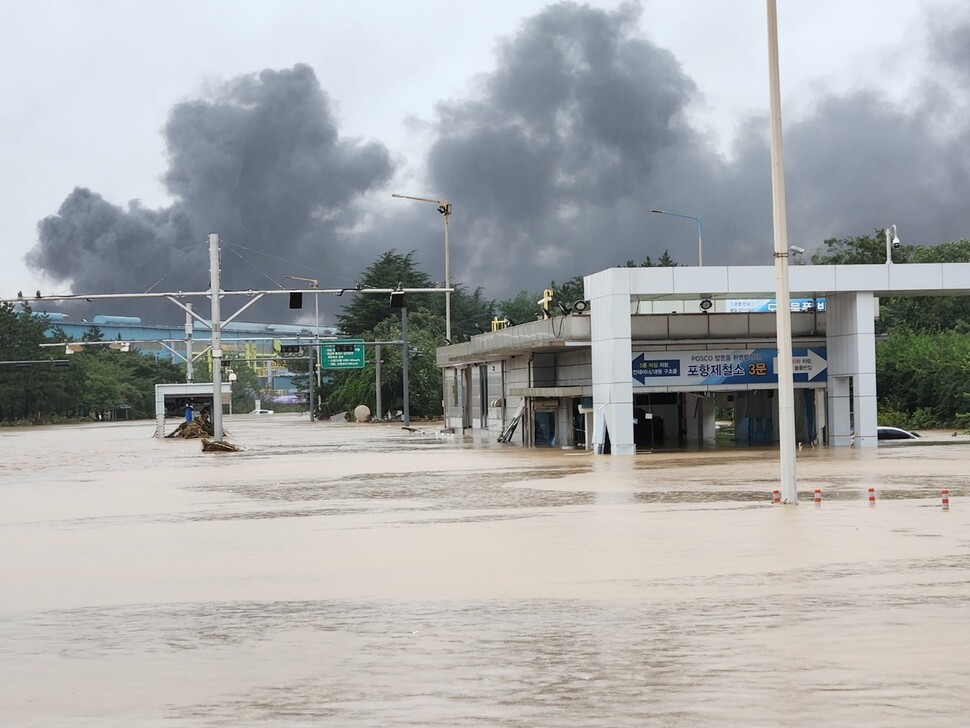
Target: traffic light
{"type": "Point", "coordinates": [296, 300]}
{"type": "Point", "coordinates": [290, 348]}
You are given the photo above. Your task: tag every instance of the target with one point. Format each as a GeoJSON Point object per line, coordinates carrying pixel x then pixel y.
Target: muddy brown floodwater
{"type": "Point", "coordinates": [361, 575]}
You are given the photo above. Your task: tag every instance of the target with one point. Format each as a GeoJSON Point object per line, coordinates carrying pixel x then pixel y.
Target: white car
{"type": "Point", "coordinates": [895, 433]}
{"type": "Point", "coordinates": [261, 412]}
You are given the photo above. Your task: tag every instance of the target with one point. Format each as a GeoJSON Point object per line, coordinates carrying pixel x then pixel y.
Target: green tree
{"type": "Point", "coordinates": [524, 305]}
{"type": "Point", "coordinates": [922, 363]}
{"type": "Point", "coordinates": [859, 250]}
{"type": "Point", "coordinates": [365, 311]}
{"type": "Point", "coordinates": [933, 313]}
{"type": "Point", "coordinates": [471, 313]}
{"type": "Point", "coordinates": [108, 379]}
{"type": "Point", "coordinates": [371, 318]}
{"type": "Point", "coordinates": [521, 308]}
{"type": "Point", "coordinates": [922, 378]}
{"type": "Point", "coordinates": [664, 261]}
{"type": "Point", "coordinates": [29, 392]}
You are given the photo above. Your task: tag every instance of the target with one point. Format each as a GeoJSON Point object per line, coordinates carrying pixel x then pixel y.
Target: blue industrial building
{"type": "Point", "coordinates": [257, 342]}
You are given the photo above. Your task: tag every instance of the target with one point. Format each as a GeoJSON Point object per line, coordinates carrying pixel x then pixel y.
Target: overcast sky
{"type": "Point", "coordinates": [130, 130]}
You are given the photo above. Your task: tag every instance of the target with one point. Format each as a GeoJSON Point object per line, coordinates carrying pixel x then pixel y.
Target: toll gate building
{"type": "Point", "coordinates": [655, 352]}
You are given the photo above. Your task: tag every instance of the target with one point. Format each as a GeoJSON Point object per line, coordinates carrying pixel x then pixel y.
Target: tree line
{"type": "Point", "coordinates": [923, 344]}
{"type": "Point", "coordinates": [43, 385]}
{"type": "Point", "coordinates": [472, 313]}
{"type": "Point", "coordinates": [922, 351]}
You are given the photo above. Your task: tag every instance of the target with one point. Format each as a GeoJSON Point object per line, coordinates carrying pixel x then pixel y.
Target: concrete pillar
{"type": "Point", "coordinates": [839, 412]}
{"type": "Point", "coordinates": [612, 360]}
{"type": "Point", "coordinates": [821, 416]}
{"type": "Point", "coordinates": [710, 410]}
{"type": "Point", "coordinates": [159, 413]}
{"type": "Point", "coordinates": [700, 419]}
{"type": "Point", "coordinates": [851, 341]}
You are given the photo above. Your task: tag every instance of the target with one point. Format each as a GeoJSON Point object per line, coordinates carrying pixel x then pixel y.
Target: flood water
{"type": "Point", "coordinates": [361, 575]}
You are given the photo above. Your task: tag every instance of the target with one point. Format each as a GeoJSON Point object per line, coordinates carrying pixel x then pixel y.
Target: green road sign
{"type": "Point", "coordinates": [344, 354]}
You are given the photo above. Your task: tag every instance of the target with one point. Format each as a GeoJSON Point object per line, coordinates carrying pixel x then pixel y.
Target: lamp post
{"type": "Point", "coordinates": [786, 373]}
{"type": "Point", "coordinates": [232, 380]}
{"type": "Point", "coordinates": [315, 284]}
{"type": "Point", "coordinates": [892, 241]}
{"type": "Point", "coordinates": [700, 236]}
{"type": "Point", "coordinates": [444, 207]}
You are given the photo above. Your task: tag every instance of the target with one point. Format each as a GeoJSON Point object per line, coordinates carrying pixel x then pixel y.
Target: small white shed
{"type": "Point", "coordinates": [169, 397]}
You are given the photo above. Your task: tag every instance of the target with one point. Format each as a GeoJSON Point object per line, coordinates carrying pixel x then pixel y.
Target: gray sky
{"type": "Point", "coordinates": [553, 129]}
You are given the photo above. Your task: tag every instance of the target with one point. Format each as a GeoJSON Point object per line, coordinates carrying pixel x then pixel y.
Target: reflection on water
{"type": "Point", "coordinates": [661, 661]}
{"type": "Point", "coordinates": [354, 576]}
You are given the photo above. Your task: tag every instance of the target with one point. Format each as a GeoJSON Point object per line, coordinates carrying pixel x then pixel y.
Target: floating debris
{"type": "Point", "coordinates": [209, 445]}
{"type": "Point", "coordinates": [199, 427]}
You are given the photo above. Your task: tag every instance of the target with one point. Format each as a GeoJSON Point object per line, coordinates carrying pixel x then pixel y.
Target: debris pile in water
{"type": "Point", "coordinates": [198, 427]}
{"type": "Point", "coordinates": [209, 445]}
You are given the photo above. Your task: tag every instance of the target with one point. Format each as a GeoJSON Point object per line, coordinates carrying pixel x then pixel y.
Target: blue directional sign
{"type": "Point", "coordinates": [726, 367]}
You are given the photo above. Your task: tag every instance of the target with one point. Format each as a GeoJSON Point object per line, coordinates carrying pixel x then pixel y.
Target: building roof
{"type": "Point", "coordinates": [902, 279]}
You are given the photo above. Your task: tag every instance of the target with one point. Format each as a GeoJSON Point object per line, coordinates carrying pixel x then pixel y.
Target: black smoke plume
{"type": "Point", "coordinates": [552, 161]}
{"type": "Point", "coordinates": [261, 162]}
{"type": "Point", "coordinates": [555, 159]}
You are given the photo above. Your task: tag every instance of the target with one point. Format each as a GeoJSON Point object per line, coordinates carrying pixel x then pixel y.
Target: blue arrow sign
{"type": "Point", "coordinates": [713, 367]}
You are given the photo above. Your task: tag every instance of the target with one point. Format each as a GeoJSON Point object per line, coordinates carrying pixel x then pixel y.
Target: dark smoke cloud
{"type": "Point", "coordinates": [552, 161]}
{"type": "Point", "coordinates": [577, 128]}
{"type": "Point", "coordinates": [555, 161]}
{"type": "Point", "coordinates": [262, 163]}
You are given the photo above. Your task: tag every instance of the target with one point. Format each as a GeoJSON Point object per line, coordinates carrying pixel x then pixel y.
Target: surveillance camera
{"type": "Point", "coordinates": [796, 250]}
{"type": "Point", "coordinates": [896, 243]}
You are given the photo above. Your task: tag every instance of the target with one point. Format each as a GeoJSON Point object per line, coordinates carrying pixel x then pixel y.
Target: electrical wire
{"type": "Point", "coordinates": [295, 264]}
{"type": "Point", "coordinates": [255, 267]}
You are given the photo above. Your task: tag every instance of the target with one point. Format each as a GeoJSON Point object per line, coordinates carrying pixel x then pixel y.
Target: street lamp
{"type": "Point", "coordinates": [315, 284]}
{"type": "Point", "coordinates": [786, 387]}
{"type": "Point", "coordinates": [892, 241]}
{"type": "Point", "coordinates": [700, 237]}
{"type": "Point", "coordinates": [444, 207]}
{"type": "Point", "coordinates": [232, 380]}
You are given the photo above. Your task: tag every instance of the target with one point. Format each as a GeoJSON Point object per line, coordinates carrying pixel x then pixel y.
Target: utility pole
{"type": "Point", "coordinates": [189, 364]}
{"type": "Point", "coordinates": [786, 390]}
{"type": "Point", "coordinates": [216, 337]}
{"type": "Point", "coordinates": [404, 364]}
{"type": "Point", "coordinates": [377, 378]}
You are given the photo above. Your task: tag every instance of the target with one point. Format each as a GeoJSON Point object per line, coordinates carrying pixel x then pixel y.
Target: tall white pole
{"type": "Point", "coordinates": [700, 243]}
{"type": "Point", "coordinates": [189, 364]}
{"type": "Point", "coordinates": [216, 337]}
{"type": "Point", "coordinates": [378, 412]}
{"type": "Point", "coordinates": [785, 367]}
{"type": "Point", "coordinates": [315, 359]}
{"type": "Point", "coordinates": [447, 214]}
{"type": "Point", "coordinates": [444, 207]}
{"type": "Point", "coordinates": [405, 356]}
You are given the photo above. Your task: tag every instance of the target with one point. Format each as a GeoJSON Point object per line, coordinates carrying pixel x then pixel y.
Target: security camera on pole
{"type": "Point", "coordinates": [892, 241]}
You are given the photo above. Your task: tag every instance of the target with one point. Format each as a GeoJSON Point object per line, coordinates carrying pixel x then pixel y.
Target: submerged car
{"type": "Point", "coordinates": [895, 433]}
{"type": "Point", "coordinates": [261, 412]}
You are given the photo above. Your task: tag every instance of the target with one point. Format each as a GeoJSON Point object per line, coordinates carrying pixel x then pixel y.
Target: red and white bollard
{"type": "Point", "coordinates": [818, 497]}
{"type": "Point", "coordinates": [946, 498]}
{"type": "Point", "coordinates": [872, 496]}
{"type": "Point", "coordinates": [776, 496]}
